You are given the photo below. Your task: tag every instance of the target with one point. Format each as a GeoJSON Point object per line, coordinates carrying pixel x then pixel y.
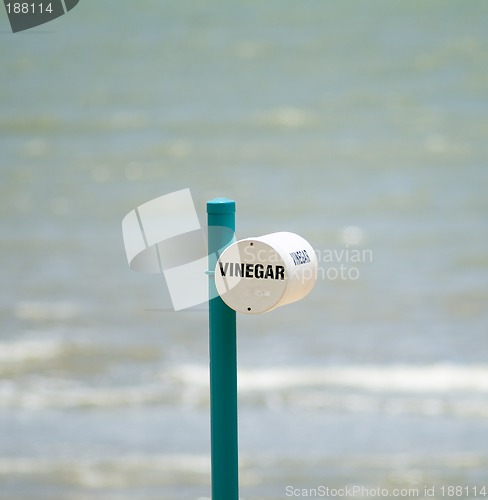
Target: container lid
{"type": "Point", "coordinates": [251, 276]}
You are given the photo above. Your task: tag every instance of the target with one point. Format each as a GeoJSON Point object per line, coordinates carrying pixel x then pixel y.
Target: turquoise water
{"type": "Point", "coordinates": [359, 126]}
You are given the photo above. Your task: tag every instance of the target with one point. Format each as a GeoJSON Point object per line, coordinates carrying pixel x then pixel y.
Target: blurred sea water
{"type": "Point", "coordinates": [360, 126]}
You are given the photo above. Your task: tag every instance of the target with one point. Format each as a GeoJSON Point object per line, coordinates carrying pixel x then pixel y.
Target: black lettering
{"type": "Point", "coordinates": [258, 271]}
{"type": "Point", "coordinates": [249, 270]}
{"type": "Point", "coordinates": [269, 272]}
{"type": "Point", "coordinates": [238, 269]}
{"type": "Point", "coordinates": [223, 268]}
{"type": "Point", "coordinates": [280, 272]}
{"type": "Point", "coordinates": [300, 257]}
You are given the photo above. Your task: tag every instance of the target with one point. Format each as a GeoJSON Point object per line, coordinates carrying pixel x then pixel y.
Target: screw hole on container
{"type": "Point", "coordinates": [248, 308]}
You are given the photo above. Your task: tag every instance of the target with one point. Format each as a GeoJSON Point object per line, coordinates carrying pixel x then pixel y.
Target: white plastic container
{"type": "Point", "coordinates": [257, 275]}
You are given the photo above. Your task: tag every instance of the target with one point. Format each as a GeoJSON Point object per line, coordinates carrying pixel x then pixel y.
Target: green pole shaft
{"type": "Point", "coordinates": [223, 360]}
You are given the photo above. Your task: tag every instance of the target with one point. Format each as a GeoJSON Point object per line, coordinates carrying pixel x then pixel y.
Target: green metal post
{"type": "Point", "coordinates": [223, 360]}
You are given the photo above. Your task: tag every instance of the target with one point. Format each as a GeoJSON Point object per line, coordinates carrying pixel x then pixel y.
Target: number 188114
{"type": "Point", "coordinates": [464, 491]}
{"type": "Point", "coordinates": [28, 8]}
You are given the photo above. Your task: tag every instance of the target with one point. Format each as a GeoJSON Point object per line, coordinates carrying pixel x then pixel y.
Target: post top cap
{"type": "Point", "coordinates": [221, 206]}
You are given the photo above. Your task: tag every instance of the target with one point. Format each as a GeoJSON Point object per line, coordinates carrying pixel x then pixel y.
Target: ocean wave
{"type": "Point", "coordinates": [29, 350]}
{"type": "Point", "coordinates": [112, 472]}
{"type": "Point", "coordinates": [288, 117]}
{"type": "Point", "coordinates": [76, 355]}
{"type": "Point", "coordinates": [448, 390]}
{"type": "Point", "coordinates": [438, 378]}
{"type": "Point", "coordinates": [42, 393]}
{"type": "Point", "coordinates": [135, 470]}
{"type": "Point", "coordinates": [46, 311]}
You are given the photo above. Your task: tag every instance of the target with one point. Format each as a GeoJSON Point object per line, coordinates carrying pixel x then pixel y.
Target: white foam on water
{"type": "Point", "coordinates": [432, 391]}
{"type": "Point", "coordinates": [112, 472]}
{"type": "Point", "coordinates": [41, 393]}
{"type": "Point", "coordinates": [439, 378]}
{"type": "Point", "coordinates": [166, 469]}
{"type": "Point", "coordinates": [46, 311]}
{"type": "Point", "coordinates": [288, 117]}
{"type": "Point", "coordinates": [21, 351]}
{"type": "Point", "coordinates": [428, 390]}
